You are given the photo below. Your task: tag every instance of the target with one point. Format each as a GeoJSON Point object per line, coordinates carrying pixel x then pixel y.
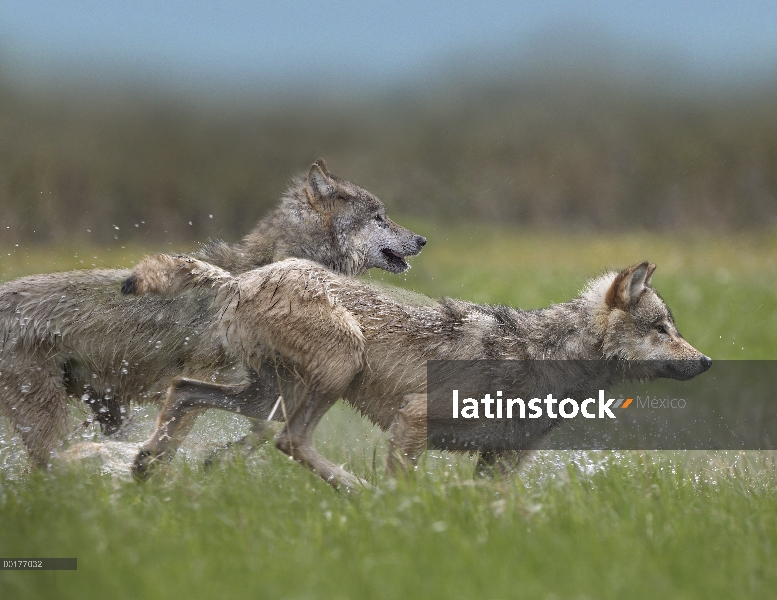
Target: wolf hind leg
{"type": "Point", "coordinates": [186, 400]}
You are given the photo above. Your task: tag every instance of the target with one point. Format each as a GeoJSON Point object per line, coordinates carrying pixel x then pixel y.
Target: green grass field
{"type": "Point", "coordinates": [573, 525]}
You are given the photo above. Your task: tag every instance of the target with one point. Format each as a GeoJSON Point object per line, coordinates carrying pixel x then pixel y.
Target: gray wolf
{"type": "Point", "coordinates": [330, 337]}
{"type": "Point", "coordinates": [75, 335]}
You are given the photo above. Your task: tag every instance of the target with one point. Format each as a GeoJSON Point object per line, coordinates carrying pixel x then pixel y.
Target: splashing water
{"type": "Point", "coordinates": [114, 455]}
{"type": "Point", "coordinates": [346, 438]}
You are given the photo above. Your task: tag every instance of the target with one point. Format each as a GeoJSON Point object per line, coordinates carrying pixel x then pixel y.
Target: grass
{"type": "Point", "coordinates": [574, 525]}
{"type": "Point", "coordinates": [639, 527]}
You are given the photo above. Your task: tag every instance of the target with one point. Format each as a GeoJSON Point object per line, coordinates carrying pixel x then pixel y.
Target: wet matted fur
{"type": "Point", "coordinates": [330, 337]}
{"type": "Point", "coordinates": [75, 335]}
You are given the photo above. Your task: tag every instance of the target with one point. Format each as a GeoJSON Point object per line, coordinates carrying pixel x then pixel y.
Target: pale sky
{"type": "Point", "coordinates": [222, 43]}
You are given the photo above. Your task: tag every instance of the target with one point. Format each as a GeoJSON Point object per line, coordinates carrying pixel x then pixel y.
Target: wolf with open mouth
{"type": "Point", "coordinates": [75, 335]}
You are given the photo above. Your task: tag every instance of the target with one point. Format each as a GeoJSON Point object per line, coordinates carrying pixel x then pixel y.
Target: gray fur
{"type": "Point", "coordinates": [332, 337]}
{"type": "Point", "coordinates": [325, 219]}
{"type": "Point", "coordinates": [75, 335]}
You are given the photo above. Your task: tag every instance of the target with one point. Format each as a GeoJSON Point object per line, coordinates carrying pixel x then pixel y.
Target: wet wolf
{"type": "Point", "coordinates": [75, 335]}
{"type": "Point", "coordinates": [330, 337]}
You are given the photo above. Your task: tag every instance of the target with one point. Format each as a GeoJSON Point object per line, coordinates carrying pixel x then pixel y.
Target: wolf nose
{"type": "Point", "coordinates": [420, 240]}
{"type": "Point", "coordinates": [706, 362]}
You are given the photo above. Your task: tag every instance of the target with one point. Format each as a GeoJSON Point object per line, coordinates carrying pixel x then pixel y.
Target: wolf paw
{"type": "Point", "coordinates": [144, 464]}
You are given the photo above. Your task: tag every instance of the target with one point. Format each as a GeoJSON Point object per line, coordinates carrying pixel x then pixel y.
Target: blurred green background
{"type": "Point", "coordinates": [180, 121]}
{"type": "Point", "coordinates": [542, 147]}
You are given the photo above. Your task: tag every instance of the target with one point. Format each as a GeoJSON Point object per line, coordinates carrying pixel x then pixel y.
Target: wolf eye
{"type": "Point", "coordinates": [661, 329]}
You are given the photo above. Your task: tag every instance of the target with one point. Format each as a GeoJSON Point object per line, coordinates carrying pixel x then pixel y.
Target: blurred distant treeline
{"type": "Point", "coordinates": [570, 151]}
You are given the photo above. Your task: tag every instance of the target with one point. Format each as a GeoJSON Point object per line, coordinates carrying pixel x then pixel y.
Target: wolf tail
{"type": "Point", "coordinates": [167, 275]}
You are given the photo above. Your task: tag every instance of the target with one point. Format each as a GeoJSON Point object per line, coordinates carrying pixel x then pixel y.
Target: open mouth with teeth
{"type": "Point", "coordinates": [395, 260]}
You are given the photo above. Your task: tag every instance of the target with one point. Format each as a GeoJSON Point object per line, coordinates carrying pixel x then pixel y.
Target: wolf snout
{"type": "Point", "coordinates": [706, 362]}
{"type": "Point", "coordinates": [420, 241]}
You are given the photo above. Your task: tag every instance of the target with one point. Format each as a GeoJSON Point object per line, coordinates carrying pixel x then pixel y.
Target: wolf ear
{"type": "Point", "coordinates": [650, 270]}
{"type": "Point", "coordinates": [319, 180]}
{"type": "Point", "coordinates": [320, 162]}
{"type": "Point", "coordinates": [629, 285]}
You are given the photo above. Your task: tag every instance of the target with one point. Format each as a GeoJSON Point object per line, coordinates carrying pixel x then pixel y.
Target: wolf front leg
{"type": "Point", "coordinates": [106, 412]}
{"type": "Point", "coordinates": [408, 434]}
{"type": "Point", "coordinates": [260, 433]}
{"type": "Point", "coordinates": [186, 400]}
{"type": "Point", "coordinates": [296, 441]}
{"type": "Point", "coordinates": [409, 438]}
{"type": "Point", "coordinates": [502, 462]}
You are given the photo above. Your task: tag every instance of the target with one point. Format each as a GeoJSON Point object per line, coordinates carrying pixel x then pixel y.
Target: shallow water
{"type": "Point", "coordinates": [346, 438]}
{"type": "Point", "coordinates": [114, 454]}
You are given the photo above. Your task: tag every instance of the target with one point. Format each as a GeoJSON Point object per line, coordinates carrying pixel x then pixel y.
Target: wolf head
{"type": "Point", "coordinates": [636, 325]}
{"type": "Point", "coordinates": [349, 227]}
